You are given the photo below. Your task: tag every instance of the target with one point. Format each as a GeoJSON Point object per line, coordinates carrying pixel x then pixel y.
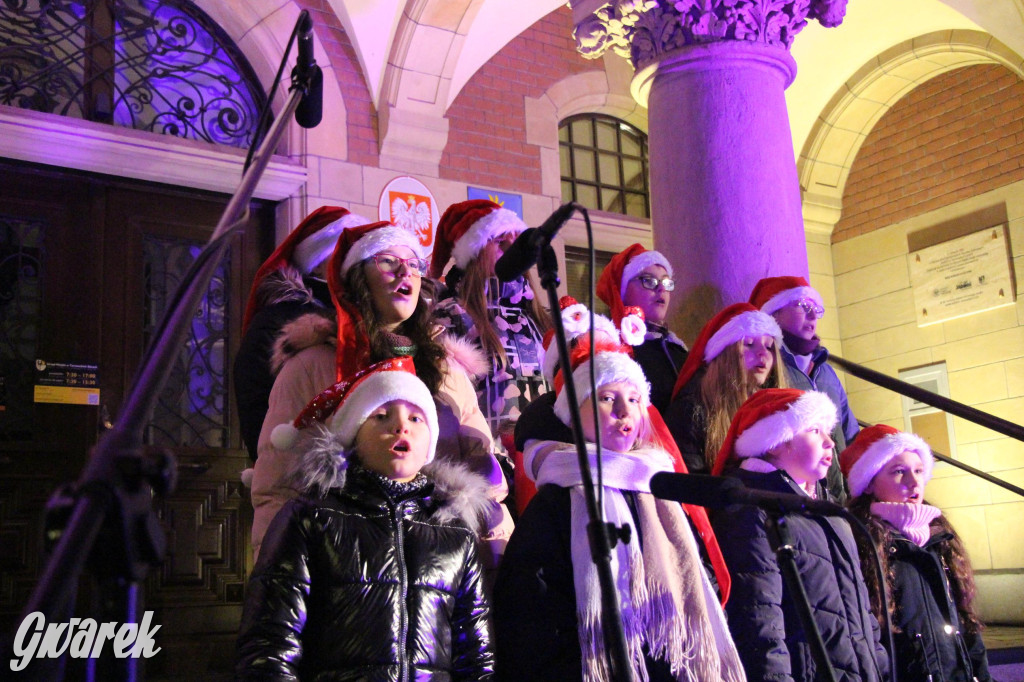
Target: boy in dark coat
{"type": "Point", "coordinates": [778, 443]}
{"type": "Point", "coordinates": [374, 575]}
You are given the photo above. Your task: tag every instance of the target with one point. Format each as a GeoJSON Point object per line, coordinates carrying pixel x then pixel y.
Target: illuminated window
{"type": "Point", "coordinates": [157, 65]}
{"type": "Point", "coordinates": [604, 164]}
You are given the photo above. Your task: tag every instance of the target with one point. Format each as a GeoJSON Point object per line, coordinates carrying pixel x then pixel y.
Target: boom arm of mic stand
{"type": "Point", "coordinates": [98, 482]}
{"type": "Point", "coordinates": [600, 545]}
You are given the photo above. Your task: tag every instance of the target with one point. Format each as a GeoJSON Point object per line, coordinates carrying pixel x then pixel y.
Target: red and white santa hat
{"type": "Point", "coordinates": [466, 227]}
{"type": "Point", "coordinates": [624, 266]}
{"type": "Point", "coordinates": [731, 324]}
{"type": "Point", "coordinates": [612, 363]}
{"type": "Point", "coordinates": [873, 448]}
{"type": "Point", "coordinates": [344, 406]}
{"type": "Point", "coordinates": [576, 321]}
{"type": "Point", "coordinates": [774, 293]}
{"type": "Point", "coordinates": [771, 417]}
{"type": "Point", "coordinates": [355, 245]}
{"type": "Point", "coordinates": [359, 242]}
{"type": "Point", "coordinates": [306, 247]}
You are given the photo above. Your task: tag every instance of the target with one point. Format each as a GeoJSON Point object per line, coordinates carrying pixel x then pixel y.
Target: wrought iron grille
{"type": "Point", "coordinates": [157, 65]}
{"type": "Point", "coordinates": [21, 246]}
{"type": "Point", "coordinates": [192, 408]}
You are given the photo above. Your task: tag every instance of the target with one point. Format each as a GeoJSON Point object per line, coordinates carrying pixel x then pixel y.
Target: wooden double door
{"type": "Point", "coordinates": [87, 265]}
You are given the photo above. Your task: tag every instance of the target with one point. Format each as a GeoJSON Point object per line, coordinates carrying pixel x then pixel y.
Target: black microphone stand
{"type": "Point", "coordinates": [781, 541]}
{"type": "Point", "coordinates": [113, 498]}
{"type": "Point", "coordinates": [601, 536]}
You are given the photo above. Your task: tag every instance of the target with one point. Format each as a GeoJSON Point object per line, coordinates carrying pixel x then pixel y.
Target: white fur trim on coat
{"type": "Point", "coordinates": [878, 454]}
{"type": "Point", "coordinates": [636, 266]}
{"type": "Point", "coordinates": [375, 241]}
{"type": "Point", "coordinates": [318, 247]}
{"type": "Point", "coordinates": [784, 298]}
{"type": "Point", "coordinates": [378, 389]}
{"type": "Point", "coordinates": [462, 493]}
{"type": "Point", "coordinates": [610, 367]}
{"type": "Point", "coordinates": [498, 222]}
{"type": "Point", "coordinates": [738, 328]}
{"type": "Point", "coordinates": [810, 409]}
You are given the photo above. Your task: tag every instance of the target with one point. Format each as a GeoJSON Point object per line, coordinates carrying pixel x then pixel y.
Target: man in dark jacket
{"type": "Point", "coordinates": [797, 307]}
{"type": "Point", "coordinates": [285, 287]}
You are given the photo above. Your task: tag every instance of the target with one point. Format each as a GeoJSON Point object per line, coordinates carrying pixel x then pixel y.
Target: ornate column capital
{"type": "Point", "coordinates": [645, 30]}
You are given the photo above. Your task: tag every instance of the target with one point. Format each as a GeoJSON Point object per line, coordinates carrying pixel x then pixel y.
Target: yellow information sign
{"type": "Point", "coordinates": [67, 395]}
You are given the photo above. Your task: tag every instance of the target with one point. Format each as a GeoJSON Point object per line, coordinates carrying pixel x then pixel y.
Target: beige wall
{"type": "Point", "coordinates": [984, 356]}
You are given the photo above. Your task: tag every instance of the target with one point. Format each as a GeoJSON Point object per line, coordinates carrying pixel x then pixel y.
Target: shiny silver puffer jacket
{"type": "Point", "coordinates": [376, 580]}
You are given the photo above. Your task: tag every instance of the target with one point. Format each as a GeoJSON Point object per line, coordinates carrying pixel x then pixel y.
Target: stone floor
{"type": "Point", "coordinates": [1005, 646]}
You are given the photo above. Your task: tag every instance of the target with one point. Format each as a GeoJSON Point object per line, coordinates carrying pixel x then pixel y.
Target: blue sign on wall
{"type": "Point", "coordinates": [513, 202]}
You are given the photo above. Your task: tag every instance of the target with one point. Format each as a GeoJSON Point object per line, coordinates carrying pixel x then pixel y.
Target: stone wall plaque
{"type": "Point", "coordinates": [961, 277]}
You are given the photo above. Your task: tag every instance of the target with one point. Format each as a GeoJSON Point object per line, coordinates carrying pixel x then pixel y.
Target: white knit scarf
{"type": "Point", "coordinates": [911, 519]}
{"type": "Point", "coordinates": [666, 599]}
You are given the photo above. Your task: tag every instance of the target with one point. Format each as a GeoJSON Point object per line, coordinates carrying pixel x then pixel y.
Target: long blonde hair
{"type": "Point", "coordinates": [725, 386]}
{"type": "Point", "coordinates": [472, 290]}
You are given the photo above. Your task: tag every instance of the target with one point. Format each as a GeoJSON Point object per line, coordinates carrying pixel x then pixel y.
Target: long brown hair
{"type": "Point", "coordinates": [725, 386]}
{"type": "Point", "coordinates": [429, 356]}
{"type": "Point", "coordinates": [952, 554]}
{"type": "Point", "coordinates": [472, 290]}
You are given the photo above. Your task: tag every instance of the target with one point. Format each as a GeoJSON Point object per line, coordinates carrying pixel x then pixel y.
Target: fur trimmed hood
{"type": "Point", "coordinates": [460, 493]}
{"type": "Point", "coordinates": [305, 331]}
{"type": "Point", "coordinates": [466, 355]}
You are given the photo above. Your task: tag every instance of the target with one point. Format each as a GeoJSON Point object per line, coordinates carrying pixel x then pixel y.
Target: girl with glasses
{"type": "Point", "coordinates": [642, 278]}
{"type": "Point", "coordinates": [383, 310]}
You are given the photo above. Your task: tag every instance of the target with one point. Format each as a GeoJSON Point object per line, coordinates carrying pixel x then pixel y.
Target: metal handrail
{"type": "Point", "coordinates": [958, 409]}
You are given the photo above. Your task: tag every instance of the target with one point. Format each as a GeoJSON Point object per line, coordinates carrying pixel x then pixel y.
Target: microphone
{"type": "Point", "coordinates": [309, 76]}
{"type": "Point", "coordinates": [716, 492]}
{"type": "Point", "coordinates": [522, 254]}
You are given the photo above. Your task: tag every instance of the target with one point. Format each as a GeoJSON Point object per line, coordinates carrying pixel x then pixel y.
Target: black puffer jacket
{"type": "Point", "coordinates": [376, 581]}
{"type": "Point", "coordinates": [763, 619]}
{"type": "Point", "coordinates": [930, 642]}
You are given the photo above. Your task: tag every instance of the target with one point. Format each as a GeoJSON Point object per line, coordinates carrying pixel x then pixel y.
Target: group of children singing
{"type": "Point", "coordinates": [373, 571]}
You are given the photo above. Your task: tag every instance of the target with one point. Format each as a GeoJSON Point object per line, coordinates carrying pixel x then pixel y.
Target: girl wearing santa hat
{"type": "Point", "coordinates": [928, 574]}
{"type": "Point", "coordinates": [642, 278]}
{"type": "Point", "coordinates": [506, 320]}
{"type": "Point", "coordinates": [382, 302]}
{"type": "Point", "coordinates": [547, 609]}
{"type": "Point", "coordinates": [736, 353]}
{"type": "Point", "coordinates": [373, 573]}
{"type": "Point", "coordinates": [779, 443]}
{"type": "Point", "coordinates": [289, 284]}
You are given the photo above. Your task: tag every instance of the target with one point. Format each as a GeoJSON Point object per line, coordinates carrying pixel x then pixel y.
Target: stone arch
{"type": "Point", "coordinates": [416, 81]}
{"type": "Point", "coordinates": [837, 135]}
{"type": "Point", "coordinates": [592, 92]}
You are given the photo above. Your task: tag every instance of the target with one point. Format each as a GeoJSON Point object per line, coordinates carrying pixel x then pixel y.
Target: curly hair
{"type": "Point", "coordinates": [429, 358]}
{"type": "Point", "coordinates": [472, 292]}
{"type": "Point", "coordinates": [725, 386]}
{"type": "Point", "coordinates": [952, 554]}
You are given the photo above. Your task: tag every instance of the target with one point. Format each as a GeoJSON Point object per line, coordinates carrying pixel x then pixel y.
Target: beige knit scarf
{"type": "Point", "coordinates": [666, 599]}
